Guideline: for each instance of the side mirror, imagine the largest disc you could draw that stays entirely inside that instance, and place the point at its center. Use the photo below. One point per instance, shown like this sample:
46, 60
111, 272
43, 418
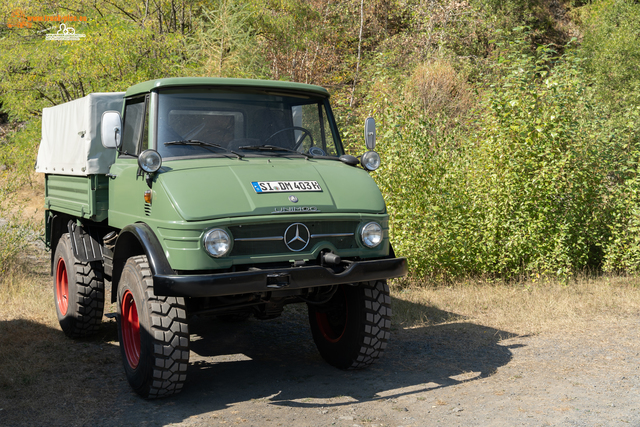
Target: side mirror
111, 129
370, 133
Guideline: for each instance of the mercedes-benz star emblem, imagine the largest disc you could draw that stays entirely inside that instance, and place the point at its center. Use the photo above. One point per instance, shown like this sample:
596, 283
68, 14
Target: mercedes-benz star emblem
293, 199
297, 237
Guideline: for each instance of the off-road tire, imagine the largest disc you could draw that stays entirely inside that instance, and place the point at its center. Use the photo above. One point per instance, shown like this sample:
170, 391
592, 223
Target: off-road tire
153, 333
351, 330
78, 291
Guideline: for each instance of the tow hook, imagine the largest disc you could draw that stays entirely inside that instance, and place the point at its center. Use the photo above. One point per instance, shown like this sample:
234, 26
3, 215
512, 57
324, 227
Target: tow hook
331, 258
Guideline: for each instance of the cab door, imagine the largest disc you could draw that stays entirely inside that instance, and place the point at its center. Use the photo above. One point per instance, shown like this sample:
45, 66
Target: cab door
127, 186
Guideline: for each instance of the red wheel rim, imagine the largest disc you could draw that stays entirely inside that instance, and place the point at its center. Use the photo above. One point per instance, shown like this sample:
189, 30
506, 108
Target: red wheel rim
62, 287
333, 324
130, 327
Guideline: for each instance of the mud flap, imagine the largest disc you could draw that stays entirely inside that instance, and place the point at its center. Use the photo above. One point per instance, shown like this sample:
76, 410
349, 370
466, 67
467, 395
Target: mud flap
84, 243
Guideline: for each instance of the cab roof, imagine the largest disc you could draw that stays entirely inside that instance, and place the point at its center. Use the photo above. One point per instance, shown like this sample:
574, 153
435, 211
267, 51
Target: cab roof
174, 82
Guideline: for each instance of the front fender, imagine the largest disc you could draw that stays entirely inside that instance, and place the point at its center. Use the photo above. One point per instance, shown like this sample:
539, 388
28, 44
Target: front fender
138, 239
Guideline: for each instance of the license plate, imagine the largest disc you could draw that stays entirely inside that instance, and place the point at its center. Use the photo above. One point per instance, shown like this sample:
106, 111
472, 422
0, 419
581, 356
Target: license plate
285, 186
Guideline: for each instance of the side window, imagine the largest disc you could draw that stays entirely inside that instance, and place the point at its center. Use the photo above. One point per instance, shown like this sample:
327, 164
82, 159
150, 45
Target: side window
144, 145
327, 135
134, 119
313, 118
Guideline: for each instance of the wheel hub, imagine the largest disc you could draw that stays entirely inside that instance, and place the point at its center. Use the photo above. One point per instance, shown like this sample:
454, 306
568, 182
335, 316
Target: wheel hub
130, 328
62, 287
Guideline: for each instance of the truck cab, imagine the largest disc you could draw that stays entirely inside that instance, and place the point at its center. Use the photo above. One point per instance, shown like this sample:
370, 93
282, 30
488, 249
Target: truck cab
222, 197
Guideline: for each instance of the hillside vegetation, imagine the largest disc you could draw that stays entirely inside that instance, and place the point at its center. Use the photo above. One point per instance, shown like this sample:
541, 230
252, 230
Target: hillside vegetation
509, 130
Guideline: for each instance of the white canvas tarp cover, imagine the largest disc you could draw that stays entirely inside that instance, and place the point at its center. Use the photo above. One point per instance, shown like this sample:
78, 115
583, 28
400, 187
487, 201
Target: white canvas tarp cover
71, 143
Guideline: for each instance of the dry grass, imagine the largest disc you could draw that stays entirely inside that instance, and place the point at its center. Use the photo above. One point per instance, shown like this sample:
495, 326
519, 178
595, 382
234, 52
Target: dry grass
27, 199
26, 321
528, 308
24, 294
438, 89
45, 378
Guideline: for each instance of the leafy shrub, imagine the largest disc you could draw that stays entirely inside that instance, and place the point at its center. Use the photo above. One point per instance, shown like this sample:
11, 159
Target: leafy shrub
622, 251
17, 156
422, 179
18, 152
528, 187
541, 166
611, 47
14, 237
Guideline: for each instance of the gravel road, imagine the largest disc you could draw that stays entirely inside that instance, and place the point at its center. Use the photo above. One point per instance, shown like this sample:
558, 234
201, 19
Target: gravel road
269, 374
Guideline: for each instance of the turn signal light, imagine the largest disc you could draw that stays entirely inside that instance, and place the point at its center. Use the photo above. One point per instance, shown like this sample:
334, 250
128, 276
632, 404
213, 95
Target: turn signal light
147, 196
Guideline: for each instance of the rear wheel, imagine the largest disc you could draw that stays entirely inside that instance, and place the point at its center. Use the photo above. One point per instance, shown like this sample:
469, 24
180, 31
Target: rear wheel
153, 333
78, 289
352, 329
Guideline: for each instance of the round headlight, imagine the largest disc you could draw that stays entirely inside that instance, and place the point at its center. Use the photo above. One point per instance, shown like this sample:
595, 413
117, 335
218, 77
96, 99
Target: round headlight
371, 234
149, 161
370, 160
217, 242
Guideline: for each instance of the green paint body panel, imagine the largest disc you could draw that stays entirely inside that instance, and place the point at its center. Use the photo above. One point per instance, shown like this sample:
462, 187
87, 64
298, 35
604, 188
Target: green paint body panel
200, 189
274, 85
82, 196
192, 196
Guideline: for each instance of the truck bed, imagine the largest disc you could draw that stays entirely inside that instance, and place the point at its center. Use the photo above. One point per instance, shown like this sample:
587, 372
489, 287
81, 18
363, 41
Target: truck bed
80, 196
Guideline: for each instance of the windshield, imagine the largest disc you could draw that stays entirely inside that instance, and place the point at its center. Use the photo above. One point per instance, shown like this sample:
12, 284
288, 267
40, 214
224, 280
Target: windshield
201, 122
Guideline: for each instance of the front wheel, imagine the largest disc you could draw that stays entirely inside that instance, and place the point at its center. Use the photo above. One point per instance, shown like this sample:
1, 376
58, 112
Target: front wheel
352, 329
153, 333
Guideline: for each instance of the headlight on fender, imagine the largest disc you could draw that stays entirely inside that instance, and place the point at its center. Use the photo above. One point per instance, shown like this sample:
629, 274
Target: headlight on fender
370, 161
217, 242
149, 161
371, 234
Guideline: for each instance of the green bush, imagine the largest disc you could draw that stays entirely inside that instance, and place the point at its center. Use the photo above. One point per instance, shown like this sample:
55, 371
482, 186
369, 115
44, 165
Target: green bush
530, 185
611, 47
422, 179
17, 157
541, 166
18, 152
622, 250
14, 236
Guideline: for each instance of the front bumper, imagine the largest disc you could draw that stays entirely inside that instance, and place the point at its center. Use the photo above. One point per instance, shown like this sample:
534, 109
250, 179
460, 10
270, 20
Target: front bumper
212, 285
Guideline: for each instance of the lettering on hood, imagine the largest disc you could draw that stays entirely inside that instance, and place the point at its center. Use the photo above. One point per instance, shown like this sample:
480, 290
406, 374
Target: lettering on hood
298, 209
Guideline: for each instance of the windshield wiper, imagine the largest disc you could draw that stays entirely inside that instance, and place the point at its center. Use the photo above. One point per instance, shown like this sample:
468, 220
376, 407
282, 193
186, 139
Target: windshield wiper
205, 144
273, 148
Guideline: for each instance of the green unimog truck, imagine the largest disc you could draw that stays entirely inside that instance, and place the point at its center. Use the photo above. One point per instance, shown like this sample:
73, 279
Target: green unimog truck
222, 197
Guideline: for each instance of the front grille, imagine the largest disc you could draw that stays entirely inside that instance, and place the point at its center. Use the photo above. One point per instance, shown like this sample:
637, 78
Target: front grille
255, 239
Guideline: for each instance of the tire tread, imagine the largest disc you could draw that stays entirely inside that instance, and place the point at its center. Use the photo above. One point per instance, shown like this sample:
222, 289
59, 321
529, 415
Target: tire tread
87, 303
377, 323
169, 329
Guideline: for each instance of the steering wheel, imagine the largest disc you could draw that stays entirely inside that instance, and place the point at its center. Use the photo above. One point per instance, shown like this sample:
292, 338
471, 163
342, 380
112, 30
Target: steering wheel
305, 133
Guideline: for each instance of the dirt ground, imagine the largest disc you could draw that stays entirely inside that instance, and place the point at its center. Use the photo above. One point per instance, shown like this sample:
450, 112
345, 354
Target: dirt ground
268, 373
260, 374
